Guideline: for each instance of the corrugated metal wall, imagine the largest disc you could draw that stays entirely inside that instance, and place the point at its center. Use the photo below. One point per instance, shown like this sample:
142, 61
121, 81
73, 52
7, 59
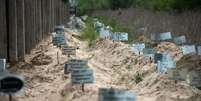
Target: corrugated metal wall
24, 23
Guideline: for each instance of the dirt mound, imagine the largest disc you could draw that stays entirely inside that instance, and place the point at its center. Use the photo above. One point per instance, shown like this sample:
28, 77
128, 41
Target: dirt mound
190, 62
160, 88
41, 59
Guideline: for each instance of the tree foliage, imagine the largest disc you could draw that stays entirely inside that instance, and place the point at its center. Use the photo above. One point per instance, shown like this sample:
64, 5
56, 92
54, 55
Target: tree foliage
150, 4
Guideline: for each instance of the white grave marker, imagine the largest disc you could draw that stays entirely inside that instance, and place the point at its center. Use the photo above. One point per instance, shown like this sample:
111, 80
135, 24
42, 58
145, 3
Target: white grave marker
187, 49
165, 36
123, 36
77, 64
149, 52
138, 48
105, 33
120, 36
106, 94
163, 66
67, 50
180, 40
82, 76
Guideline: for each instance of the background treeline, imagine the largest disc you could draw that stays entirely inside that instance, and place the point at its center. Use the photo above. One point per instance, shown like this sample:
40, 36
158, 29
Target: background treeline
169, 5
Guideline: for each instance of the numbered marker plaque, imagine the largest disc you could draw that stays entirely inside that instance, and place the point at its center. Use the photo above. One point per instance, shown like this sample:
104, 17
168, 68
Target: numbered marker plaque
149, 52
77, 64
67, 50
106, 94
105, 33
164, 66
59, 40
120, 36
165, 36
188, 49
162, 57
180, 40
138, 48
82, 76
123, 36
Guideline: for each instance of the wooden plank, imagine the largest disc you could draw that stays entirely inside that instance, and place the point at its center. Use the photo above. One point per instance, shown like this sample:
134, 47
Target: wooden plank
3, 30
12, 26
27, 4
21, 29
39, 20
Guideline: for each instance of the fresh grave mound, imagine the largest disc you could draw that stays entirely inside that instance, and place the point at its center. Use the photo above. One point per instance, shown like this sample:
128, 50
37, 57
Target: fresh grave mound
41, 59
190, 62
160, 88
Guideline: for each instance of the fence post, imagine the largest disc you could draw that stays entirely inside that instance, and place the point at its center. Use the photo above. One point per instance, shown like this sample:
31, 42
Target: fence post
20, 29
12, 26
3, 30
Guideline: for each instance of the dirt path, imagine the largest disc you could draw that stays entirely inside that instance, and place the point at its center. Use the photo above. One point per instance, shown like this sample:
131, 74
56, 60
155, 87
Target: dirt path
48, 82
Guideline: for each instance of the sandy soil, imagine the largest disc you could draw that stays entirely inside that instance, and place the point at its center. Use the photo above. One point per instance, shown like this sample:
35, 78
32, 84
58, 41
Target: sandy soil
114, 66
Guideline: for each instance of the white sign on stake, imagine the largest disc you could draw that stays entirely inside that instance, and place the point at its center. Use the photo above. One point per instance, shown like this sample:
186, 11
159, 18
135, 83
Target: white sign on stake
105, 33
59, 40
82, 76
180, 40
120, 36
163, 66
123, 36
149, 52
68, 50
165, 36
138, 48
77, 64
187, 49
110, 94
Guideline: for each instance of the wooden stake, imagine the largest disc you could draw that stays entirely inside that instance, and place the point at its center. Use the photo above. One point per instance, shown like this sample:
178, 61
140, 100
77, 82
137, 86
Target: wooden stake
57, 57
10, 97
83, 88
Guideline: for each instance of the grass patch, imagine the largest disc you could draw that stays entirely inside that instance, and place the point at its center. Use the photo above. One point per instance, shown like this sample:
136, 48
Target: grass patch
89, 34
137, 78
136, 61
